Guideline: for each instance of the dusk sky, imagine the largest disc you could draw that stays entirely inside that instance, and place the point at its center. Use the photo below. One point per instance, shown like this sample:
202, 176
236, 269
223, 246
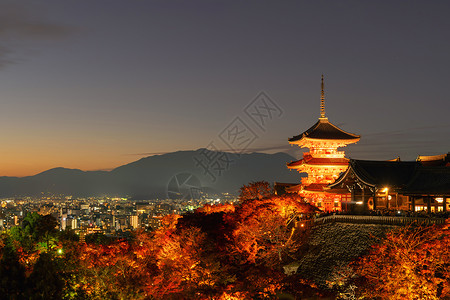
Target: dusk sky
97, 84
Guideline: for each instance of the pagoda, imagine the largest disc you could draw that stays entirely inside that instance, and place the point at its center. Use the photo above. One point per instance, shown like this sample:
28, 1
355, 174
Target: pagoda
323, 162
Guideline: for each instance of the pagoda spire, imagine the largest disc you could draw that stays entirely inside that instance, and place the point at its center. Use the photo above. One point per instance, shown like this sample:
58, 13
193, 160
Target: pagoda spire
322, 102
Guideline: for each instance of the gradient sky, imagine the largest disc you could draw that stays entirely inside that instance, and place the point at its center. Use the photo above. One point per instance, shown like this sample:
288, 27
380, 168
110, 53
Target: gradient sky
96, 84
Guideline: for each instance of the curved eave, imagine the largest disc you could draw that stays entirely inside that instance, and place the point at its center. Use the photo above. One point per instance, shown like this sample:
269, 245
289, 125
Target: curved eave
336, 191
305, 140
324, 129
316, 165
344, 175
294, 188
300, 188
312, 192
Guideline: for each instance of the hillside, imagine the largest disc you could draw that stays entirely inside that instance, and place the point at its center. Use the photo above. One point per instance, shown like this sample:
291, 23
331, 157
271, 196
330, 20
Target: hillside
331, 247
150, 177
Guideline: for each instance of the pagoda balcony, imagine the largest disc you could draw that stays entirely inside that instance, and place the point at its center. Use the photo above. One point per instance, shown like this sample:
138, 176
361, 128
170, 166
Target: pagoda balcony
324, 154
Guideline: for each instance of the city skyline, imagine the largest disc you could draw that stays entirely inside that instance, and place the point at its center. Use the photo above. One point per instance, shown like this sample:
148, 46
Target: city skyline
89, 86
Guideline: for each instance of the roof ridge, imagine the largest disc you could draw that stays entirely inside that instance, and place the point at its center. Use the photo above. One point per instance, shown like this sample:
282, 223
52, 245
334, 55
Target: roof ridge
349, 133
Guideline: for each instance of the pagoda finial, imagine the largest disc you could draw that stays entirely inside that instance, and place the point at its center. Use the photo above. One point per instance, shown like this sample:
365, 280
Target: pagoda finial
322, 102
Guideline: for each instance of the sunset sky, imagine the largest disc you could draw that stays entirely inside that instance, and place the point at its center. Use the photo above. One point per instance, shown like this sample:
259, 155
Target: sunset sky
97, 84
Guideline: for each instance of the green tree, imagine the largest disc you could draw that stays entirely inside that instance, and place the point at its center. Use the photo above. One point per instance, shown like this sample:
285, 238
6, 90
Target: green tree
26, 235
68, 235
35, 228
45, 229
29, 225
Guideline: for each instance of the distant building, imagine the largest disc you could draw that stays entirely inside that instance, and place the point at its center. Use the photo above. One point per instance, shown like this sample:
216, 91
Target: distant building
74, 223
63, 221
134, 221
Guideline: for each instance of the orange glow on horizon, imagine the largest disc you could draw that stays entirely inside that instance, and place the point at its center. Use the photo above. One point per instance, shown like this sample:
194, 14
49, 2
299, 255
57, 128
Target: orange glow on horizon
22, 166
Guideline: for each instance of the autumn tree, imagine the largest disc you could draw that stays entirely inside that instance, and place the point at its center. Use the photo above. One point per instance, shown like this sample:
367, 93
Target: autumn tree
411, 263
255, 190
110, 271
187, 257
215, 252
209, 209
265, 231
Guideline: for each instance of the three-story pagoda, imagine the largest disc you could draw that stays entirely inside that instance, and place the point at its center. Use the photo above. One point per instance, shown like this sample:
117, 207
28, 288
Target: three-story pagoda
323, 162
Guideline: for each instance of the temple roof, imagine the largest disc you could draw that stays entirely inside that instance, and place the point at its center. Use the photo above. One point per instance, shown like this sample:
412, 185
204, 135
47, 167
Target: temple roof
429, 181
380, 173
325, 130
435, 160
408, 178
309, 160
280, 188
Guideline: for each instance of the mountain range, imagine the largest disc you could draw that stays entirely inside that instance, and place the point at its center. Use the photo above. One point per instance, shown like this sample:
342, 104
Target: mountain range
159, 176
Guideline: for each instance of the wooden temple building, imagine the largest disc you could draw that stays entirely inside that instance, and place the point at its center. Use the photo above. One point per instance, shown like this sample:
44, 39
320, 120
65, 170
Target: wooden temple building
421, 185
323, 163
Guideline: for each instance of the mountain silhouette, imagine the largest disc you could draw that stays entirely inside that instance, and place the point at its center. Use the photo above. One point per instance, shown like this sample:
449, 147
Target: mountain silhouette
157, 176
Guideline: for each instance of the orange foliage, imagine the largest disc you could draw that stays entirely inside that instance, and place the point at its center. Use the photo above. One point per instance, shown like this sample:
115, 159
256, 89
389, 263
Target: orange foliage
217, 252
121, 268
188, 267
27, 259
411, 263
265, 231
170, 221
236, 254
210, 209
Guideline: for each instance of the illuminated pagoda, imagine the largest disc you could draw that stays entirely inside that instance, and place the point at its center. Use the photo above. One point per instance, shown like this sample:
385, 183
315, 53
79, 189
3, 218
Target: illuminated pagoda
323, 163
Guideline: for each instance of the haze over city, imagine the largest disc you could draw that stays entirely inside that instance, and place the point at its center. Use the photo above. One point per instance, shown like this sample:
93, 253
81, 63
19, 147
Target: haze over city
97, 84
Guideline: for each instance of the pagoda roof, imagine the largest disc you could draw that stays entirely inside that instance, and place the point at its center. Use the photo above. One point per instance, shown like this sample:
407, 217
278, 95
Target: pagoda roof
313, 187
317, 188
309, 160
325, 130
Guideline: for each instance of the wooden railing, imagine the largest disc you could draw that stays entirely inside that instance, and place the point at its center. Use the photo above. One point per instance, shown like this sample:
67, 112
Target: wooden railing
384, 220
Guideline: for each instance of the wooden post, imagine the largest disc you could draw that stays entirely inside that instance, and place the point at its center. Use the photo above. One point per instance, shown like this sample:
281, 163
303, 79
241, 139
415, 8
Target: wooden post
363, 196
396, 201
352, 207
374, 198
387, 199
413, 203
444, 204
353, 193
428, 204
